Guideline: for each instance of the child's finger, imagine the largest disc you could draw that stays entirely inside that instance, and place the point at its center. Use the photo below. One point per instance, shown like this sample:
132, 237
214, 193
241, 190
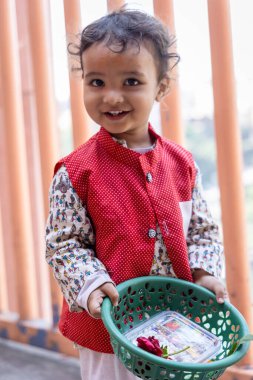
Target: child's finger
215, 285
109, 290
221, 294
95, 306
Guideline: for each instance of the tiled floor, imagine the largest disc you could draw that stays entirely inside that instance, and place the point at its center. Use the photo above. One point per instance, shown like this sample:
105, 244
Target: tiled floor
22, 362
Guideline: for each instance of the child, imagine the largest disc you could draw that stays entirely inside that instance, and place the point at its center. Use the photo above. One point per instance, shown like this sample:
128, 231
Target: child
127, 203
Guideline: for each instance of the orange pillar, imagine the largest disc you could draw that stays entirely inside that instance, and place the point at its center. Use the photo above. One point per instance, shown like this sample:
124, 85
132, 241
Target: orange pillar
45, 109
16, 159
113, 5
32, 144
170, 107
5, 201
229, 160
4, 304
3, 283
80, 119
44, 96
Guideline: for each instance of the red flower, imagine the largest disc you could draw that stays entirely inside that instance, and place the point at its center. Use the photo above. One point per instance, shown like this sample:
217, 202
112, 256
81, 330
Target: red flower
150, 344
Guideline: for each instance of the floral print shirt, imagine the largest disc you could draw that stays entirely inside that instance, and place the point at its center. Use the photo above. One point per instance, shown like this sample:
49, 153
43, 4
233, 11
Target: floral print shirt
70, 243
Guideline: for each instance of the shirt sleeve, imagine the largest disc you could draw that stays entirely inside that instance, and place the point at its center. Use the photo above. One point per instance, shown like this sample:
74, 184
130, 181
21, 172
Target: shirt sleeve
70, 243
203, 240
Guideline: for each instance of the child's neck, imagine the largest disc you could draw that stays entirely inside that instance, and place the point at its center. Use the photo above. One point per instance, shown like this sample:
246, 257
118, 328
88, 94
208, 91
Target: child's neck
135, 141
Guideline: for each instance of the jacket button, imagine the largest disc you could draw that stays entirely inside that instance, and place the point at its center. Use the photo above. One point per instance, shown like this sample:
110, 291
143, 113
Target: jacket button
151, 233
149, 177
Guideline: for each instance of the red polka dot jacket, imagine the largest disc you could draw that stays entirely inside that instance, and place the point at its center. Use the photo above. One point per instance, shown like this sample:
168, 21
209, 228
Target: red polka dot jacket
117, 212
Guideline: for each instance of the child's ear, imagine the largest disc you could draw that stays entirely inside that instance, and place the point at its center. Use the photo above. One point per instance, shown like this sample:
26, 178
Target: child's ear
163, 88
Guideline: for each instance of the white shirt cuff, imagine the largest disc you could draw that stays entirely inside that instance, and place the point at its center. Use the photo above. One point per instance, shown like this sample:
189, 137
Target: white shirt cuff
93, 282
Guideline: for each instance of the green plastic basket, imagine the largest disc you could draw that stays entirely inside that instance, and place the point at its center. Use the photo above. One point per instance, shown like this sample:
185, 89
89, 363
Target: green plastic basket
144, 297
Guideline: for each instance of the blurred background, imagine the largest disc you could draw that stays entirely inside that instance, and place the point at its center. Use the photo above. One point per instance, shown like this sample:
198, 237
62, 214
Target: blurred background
209, 110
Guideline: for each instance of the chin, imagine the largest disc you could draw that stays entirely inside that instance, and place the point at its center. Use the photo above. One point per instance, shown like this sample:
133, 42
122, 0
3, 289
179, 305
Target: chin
114, 130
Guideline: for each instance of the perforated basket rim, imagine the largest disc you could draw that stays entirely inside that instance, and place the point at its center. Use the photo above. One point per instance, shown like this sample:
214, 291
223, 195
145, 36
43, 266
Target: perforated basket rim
107, 309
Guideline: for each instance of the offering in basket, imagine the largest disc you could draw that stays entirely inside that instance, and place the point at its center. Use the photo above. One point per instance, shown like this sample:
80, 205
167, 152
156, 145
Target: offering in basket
179, 338
147, 299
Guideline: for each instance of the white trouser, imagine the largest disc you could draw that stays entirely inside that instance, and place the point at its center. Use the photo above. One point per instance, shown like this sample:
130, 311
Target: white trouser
99, 366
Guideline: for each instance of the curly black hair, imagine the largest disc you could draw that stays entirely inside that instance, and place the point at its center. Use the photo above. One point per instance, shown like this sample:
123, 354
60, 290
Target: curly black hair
123, 27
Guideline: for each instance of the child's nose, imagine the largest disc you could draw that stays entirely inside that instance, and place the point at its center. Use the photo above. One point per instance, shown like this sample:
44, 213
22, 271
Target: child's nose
113, 97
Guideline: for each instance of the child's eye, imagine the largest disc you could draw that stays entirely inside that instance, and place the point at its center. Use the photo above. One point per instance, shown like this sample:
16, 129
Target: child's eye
131, 82
97, 83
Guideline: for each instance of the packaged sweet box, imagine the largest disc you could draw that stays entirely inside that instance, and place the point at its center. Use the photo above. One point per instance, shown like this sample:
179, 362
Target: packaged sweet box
178, 334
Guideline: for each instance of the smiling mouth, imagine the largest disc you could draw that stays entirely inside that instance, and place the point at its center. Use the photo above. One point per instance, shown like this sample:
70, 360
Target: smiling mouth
116, 115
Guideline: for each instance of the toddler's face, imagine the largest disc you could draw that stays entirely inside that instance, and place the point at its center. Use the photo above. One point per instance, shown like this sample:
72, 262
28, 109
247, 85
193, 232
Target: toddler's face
120, 89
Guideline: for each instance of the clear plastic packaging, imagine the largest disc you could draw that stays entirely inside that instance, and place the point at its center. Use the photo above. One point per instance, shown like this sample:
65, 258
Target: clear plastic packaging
177, 333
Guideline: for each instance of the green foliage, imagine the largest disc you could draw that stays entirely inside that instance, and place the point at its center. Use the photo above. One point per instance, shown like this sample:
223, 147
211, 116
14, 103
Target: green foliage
200, 139
236, 345
201, 143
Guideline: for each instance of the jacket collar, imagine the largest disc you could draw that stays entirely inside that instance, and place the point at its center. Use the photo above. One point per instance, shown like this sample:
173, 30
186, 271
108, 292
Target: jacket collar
128, 156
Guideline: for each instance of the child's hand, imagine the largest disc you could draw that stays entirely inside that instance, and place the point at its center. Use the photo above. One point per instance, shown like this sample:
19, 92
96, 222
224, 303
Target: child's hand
202, 278
96, 298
